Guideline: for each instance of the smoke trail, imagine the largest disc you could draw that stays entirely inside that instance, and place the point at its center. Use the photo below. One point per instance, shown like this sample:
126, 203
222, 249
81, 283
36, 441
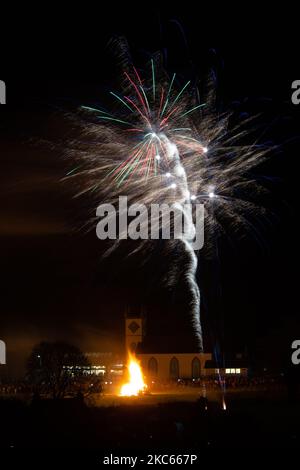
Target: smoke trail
183, 204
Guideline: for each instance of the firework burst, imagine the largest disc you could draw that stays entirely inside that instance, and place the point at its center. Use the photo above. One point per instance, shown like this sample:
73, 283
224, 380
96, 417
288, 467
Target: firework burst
160, 145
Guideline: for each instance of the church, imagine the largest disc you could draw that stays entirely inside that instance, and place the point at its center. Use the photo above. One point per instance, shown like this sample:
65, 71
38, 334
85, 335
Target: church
157, 359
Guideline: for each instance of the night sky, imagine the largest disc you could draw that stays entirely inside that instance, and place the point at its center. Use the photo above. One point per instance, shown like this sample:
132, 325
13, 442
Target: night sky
53, 285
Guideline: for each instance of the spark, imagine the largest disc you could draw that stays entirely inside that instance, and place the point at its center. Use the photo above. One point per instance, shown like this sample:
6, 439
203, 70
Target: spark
153, 79
224, 406
193, 109
122, 101
180, 93
169, 91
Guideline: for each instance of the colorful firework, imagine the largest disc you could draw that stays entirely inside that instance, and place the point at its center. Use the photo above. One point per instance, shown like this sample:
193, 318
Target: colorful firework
162, 146
149, 119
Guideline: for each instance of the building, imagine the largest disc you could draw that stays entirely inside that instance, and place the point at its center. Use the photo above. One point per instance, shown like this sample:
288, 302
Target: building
232, 367
157, 359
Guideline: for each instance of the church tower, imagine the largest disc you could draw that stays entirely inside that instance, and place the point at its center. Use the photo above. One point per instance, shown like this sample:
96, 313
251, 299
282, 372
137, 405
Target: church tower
134, 327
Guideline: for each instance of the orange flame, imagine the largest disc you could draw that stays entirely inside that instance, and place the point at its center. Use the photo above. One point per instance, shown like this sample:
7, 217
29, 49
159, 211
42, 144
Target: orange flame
136, 382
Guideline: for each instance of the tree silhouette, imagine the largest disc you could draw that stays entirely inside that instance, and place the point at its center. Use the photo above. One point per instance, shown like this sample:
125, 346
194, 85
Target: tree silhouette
54, 368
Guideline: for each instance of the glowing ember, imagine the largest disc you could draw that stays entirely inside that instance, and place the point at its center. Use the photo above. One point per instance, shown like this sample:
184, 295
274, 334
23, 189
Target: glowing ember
136, 382
224, 407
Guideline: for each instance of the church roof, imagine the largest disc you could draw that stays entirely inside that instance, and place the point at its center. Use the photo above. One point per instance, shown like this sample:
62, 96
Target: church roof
167, 345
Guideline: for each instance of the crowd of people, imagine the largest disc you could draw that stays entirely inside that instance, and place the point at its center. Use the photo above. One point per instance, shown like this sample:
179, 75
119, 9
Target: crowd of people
14, 388
232, 382
239, 382
243, 381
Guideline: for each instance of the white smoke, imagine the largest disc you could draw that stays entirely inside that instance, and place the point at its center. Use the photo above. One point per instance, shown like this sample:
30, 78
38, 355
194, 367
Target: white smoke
183, 203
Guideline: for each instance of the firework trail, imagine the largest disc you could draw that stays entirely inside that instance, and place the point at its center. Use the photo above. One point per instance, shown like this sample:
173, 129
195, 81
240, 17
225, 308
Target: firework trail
183, 204
159, 145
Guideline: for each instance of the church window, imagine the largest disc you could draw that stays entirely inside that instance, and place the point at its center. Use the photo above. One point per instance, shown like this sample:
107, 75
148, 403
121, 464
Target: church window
152, 366
174, 368
196, 368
